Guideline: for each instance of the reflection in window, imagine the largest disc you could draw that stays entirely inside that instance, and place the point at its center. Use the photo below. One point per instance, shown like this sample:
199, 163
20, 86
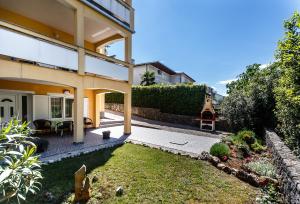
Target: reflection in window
11, 111
68, 107
56, 107
2, 112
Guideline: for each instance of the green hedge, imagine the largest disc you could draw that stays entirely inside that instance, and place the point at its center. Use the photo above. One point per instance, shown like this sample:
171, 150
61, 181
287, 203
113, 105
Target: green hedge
176, 99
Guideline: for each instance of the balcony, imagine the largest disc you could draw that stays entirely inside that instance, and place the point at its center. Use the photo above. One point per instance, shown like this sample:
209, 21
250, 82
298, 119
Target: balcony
21, 44
117, 10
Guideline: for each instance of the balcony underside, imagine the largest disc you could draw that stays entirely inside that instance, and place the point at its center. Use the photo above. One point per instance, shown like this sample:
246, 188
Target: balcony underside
58, 18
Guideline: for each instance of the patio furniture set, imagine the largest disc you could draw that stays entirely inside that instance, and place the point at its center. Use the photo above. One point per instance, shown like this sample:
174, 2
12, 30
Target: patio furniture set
46, 127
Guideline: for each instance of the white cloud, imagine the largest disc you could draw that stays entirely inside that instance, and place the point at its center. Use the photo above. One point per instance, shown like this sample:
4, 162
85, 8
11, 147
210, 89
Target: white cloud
263, 66
224, 82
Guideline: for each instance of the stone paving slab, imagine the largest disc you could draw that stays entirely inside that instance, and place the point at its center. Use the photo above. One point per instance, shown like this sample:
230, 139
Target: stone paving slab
157, 136
179, 141
172, 127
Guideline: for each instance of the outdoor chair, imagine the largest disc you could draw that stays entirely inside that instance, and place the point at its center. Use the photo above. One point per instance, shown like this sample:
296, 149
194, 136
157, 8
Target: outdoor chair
64, 127
88, 123
43, 126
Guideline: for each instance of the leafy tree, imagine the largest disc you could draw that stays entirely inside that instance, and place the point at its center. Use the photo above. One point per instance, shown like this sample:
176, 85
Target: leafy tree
243, 79
148, 78
251, 102
288, 90
20, 168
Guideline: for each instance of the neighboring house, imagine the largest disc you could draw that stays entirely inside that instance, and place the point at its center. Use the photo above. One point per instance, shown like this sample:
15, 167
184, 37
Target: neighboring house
163, 74
51, 66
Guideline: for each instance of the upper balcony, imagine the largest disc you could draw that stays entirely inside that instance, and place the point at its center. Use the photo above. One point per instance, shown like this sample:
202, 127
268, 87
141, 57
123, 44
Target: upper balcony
117, 10
59, 39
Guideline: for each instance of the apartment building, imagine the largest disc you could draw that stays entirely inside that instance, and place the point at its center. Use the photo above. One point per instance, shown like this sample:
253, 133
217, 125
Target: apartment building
52, 60
163, 74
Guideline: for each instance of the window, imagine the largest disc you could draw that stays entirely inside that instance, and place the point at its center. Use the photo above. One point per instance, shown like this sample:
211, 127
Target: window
56, 107
2, 112
159, 72
11, 111
24, 108
68, 107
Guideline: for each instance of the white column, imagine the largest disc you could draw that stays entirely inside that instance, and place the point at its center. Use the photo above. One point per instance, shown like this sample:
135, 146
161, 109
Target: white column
78, 136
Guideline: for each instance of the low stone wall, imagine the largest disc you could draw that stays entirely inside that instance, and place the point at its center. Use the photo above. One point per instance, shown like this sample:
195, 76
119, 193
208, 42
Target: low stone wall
155, 114
288, 167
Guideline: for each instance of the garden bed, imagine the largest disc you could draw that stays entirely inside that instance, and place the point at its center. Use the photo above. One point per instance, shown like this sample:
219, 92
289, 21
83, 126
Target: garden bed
244, 156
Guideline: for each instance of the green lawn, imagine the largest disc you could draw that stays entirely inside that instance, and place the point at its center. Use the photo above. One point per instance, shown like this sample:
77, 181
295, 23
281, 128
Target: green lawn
147, 176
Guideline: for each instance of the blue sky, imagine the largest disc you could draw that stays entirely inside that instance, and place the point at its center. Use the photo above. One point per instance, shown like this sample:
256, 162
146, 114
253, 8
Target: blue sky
211, 40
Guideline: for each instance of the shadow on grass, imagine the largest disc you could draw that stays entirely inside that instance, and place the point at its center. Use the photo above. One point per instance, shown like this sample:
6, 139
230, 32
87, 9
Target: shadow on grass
59, 176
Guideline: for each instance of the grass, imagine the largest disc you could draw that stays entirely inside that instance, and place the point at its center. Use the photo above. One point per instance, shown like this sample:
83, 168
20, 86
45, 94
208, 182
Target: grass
147, 176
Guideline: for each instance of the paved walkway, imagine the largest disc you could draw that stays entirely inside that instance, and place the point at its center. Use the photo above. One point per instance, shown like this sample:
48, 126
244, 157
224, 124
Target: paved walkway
171, 140
163, 135
117, 118
156, 135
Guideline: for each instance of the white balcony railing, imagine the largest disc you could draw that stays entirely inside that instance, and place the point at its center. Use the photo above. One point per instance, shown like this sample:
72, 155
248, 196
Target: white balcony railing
96, 65
25, 47
115, 8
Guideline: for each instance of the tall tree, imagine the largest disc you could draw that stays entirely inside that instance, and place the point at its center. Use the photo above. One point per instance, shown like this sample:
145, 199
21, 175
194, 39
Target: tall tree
251, 102
148, 78
288, 90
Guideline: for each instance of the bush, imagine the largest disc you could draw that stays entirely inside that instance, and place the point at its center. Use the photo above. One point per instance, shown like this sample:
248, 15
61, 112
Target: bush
247, 136
183, 99
258, 148
20, 170
262, 167
220, 150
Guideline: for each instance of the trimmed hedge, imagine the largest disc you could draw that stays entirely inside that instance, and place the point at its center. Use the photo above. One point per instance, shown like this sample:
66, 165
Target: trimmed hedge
180, 99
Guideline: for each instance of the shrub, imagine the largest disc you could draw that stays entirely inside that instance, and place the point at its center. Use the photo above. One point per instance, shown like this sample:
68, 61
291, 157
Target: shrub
181, 99
247, 136
20, 170
220, 150
262, 167
244, 149
257, 147
269, 194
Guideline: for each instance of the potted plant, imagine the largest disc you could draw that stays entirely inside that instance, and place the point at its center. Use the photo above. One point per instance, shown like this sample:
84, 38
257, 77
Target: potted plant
106, 134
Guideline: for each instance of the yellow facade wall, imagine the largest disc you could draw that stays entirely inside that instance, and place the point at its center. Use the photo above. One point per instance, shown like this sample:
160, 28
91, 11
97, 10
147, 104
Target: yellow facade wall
42, 89
39, 89
92, 107
40, 28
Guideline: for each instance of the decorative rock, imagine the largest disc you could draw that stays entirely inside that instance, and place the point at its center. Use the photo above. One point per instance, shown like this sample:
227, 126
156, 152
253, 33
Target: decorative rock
227, 170
214, 160
221, 166
119, 191
82, 185
234, 171
204, 155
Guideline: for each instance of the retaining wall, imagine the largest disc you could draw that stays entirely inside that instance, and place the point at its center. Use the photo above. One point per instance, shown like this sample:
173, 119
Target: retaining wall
288, 167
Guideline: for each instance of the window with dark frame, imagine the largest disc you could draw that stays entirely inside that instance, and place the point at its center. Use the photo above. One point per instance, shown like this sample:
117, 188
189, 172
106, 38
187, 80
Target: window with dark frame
57, 107
69, 107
